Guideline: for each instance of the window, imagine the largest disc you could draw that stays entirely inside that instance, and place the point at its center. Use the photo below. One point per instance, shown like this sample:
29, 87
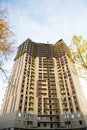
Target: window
49, 101
38, 118
77, 108
80, 122
50, 118
45, 125
50, 112
71, 110
38, 124
27, 122
68, 94
67, 123
51, 125
65, 116
11, 128
50, 106
58, 124
72, 116
20, 108
79, 115
25, 109
19, 114
69, 98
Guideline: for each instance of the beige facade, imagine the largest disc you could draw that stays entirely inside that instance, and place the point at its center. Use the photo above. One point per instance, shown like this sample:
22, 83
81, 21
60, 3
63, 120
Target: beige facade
43, 90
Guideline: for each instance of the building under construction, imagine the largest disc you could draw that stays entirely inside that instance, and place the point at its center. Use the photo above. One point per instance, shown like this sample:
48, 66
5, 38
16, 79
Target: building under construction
43, 93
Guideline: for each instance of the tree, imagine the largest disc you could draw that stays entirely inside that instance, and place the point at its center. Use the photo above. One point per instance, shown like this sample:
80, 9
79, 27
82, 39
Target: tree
78, 55
6, 40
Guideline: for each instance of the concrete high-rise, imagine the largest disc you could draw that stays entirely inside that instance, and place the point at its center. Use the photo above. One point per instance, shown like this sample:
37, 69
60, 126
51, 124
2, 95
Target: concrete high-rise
43, 92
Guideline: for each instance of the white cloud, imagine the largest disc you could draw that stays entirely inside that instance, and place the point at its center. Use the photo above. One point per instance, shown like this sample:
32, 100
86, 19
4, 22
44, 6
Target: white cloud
48, 20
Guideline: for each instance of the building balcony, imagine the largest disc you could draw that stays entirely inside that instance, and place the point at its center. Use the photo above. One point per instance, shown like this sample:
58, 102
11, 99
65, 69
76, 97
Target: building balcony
48, 120
32, 83
46, 102
31, 96
32, 80
53, 109
63, 93
31, 92
30, 108
31, 87
39, 102
39, 113
39, 108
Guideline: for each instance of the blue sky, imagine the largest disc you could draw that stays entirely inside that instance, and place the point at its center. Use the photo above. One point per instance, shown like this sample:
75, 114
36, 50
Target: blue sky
45, 20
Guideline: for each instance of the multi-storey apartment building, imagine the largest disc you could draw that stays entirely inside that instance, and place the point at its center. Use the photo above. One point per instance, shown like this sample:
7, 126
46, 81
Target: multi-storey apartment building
43, 92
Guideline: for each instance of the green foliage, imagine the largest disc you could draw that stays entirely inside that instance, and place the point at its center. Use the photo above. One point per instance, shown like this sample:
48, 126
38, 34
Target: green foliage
78, 52
6, 39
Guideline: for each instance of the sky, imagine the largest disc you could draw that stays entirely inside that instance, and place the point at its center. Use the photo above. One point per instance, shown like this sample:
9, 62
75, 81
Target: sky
44, 21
